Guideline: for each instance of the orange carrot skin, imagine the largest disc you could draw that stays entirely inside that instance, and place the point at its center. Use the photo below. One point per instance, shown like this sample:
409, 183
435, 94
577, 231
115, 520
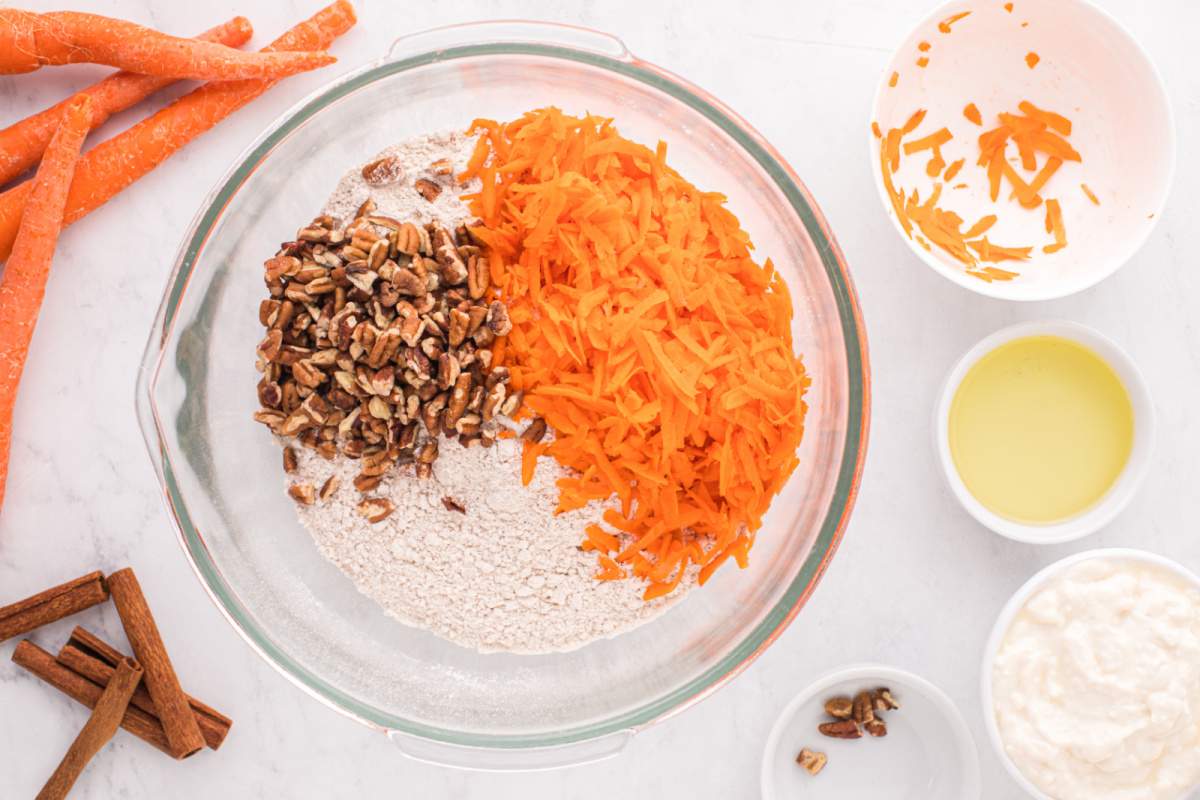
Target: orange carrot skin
30, 41
24, 281
110, 166
22, 143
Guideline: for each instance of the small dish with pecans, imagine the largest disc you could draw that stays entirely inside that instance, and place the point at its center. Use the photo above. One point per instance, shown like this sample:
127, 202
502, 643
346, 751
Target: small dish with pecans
853, 726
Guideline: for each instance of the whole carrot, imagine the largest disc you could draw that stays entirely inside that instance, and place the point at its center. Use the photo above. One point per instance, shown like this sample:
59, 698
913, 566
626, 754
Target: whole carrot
110, 166
24, 281
30, 41
22, 143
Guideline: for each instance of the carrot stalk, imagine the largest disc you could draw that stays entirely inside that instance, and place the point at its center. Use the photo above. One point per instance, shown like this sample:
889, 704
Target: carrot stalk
110, 166
30, 41
24, 281
22, 143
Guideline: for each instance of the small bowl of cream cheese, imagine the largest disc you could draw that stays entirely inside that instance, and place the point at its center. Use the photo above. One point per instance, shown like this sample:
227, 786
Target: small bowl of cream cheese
1091, 679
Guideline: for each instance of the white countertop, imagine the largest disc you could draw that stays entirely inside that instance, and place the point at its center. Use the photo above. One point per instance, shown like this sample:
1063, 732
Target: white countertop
916, 583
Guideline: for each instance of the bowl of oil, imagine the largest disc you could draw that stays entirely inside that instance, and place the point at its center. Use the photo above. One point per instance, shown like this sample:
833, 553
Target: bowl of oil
1044, 431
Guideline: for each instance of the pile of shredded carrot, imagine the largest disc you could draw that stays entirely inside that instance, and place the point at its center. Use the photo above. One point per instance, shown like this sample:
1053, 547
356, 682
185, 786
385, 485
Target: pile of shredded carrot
648, 338
929, 224
1033, 131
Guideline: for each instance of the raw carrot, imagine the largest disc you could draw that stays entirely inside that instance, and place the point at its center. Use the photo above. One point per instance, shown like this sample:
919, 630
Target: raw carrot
971, 112
30, 41
112, 165
22, 143
1090, 194
1032, 59
23, 283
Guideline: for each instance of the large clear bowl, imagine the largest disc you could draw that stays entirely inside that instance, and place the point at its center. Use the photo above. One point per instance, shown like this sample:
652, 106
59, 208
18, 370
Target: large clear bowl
220, 470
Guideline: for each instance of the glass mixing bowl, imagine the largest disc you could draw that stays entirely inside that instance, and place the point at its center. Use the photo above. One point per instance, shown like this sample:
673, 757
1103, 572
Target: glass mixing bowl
220, 470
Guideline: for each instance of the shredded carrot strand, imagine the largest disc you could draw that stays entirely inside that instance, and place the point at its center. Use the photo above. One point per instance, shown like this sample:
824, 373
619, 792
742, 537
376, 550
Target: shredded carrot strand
971, 112
944, 25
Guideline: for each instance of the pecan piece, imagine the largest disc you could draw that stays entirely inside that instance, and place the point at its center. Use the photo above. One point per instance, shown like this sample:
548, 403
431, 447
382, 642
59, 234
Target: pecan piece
289, 460
863, 709
376, 509
453, 505
884, 701
303, 493
382, 171
459, 397
839, 707
812, 761
427, 189
329, 488
842, 729
497, 319
536, 431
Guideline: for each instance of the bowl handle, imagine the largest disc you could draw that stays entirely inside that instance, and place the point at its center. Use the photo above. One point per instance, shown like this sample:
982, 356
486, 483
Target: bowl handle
509, 31
533, 759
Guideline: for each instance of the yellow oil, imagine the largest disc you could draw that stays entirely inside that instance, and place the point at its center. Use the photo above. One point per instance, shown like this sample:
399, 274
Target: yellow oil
1040, 429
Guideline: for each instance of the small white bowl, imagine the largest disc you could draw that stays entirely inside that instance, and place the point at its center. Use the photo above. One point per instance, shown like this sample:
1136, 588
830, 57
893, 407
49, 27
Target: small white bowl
928, 752
1091, 70
1121, 492
1013, 607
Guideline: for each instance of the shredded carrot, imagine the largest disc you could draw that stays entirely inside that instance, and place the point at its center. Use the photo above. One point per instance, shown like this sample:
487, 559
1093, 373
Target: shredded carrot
1033, 197
913, 122
944, 25
971, 112
1008, 7
710, 397
892, 81
923, 62
1090, 195
1056, 122
1054, 225
936, 225
1034, 131
875, 130
1032, 59
953, 169
935, 139
924, 47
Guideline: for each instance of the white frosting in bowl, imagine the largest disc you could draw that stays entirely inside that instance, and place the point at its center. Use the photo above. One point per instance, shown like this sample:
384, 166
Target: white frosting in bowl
1096, 684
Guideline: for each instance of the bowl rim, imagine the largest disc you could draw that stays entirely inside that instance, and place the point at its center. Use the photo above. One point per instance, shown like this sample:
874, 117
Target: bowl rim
1007, 291
1010, 610
881, 673
499, 38
1129, 481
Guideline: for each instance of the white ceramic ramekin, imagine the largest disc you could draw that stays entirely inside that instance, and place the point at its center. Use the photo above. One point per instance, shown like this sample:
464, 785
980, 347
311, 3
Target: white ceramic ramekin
1117, 497
928, 752
1091, 70
1013, 607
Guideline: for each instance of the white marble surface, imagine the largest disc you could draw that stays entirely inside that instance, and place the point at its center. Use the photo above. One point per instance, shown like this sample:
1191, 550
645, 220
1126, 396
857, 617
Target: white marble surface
916, 583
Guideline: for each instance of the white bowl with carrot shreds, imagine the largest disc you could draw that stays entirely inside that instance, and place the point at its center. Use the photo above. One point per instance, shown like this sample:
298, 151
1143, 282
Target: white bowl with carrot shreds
1023, 149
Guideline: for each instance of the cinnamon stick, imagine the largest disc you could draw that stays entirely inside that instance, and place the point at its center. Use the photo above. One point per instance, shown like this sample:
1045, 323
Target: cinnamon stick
100, 727
163, 684
37, 661
52, 605
93, 658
